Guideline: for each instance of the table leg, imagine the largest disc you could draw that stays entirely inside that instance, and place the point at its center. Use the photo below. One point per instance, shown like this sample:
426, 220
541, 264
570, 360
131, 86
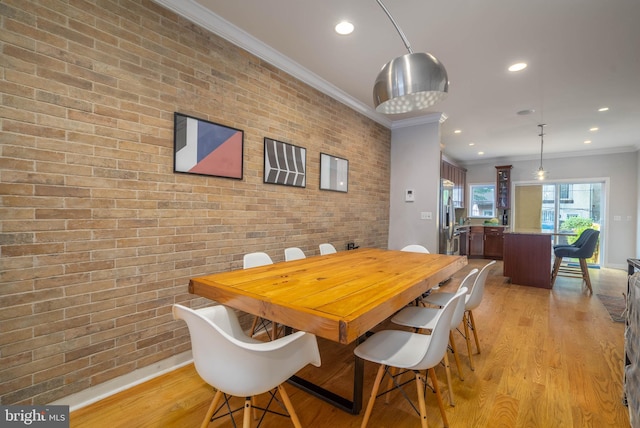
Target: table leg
352, 406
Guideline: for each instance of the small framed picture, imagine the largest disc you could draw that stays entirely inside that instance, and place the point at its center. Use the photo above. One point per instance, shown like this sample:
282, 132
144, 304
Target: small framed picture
207, 148
284, 163
334, 173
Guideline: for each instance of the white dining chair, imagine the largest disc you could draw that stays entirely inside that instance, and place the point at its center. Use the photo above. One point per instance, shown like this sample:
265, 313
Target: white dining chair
421, 318
409, 351
257, 259
238, 365
415, 248
327, 249
293, 253
472, 301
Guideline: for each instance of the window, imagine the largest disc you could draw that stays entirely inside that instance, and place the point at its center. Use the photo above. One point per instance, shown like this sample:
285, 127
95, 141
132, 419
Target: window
566, 193
482, 200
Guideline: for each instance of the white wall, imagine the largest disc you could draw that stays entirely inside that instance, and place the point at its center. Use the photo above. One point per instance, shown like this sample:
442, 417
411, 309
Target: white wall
637, 254
620, 170
415, 164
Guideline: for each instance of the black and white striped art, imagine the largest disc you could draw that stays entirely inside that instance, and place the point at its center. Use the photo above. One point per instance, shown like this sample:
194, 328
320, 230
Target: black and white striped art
284, 163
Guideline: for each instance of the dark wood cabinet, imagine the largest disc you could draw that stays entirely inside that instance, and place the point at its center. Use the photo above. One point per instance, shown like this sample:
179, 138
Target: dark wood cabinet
459, 178
476, 241
503, 187
464, 242
486, 242
527, 259
493, 242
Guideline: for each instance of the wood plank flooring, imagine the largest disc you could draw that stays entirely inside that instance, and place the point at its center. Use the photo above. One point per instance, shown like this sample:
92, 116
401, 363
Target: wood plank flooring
549, 358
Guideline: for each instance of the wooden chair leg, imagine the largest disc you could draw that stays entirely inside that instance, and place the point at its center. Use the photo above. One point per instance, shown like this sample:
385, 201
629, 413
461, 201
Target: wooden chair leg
287, 404
246, 421
392, 373
372, 398
212, 408
556, 268
253, 326
447, 370
474, 330
420, 383
454, 350
434, 380
585, 274
255, 410
467, 337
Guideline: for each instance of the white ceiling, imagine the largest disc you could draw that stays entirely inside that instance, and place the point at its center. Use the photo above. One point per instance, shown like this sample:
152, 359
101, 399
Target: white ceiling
582, 55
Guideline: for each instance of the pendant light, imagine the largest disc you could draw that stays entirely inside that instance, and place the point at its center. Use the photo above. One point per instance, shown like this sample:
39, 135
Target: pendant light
541, 173
413, 81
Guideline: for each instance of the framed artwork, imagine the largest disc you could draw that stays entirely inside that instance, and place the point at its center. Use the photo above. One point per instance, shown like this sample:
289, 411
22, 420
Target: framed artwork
334, 173
207, 148
284, 163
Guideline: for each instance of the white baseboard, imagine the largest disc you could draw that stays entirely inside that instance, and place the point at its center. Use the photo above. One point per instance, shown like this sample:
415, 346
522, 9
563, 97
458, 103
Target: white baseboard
113, 386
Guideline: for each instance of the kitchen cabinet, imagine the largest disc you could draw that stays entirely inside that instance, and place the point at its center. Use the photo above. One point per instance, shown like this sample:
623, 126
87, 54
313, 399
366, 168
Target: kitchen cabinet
476, 242
464, 241
459, 178
486, 242
503, 187
493, 242
527, 259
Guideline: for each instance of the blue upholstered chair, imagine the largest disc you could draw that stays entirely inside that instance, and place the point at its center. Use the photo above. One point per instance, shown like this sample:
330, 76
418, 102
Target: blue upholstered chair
581, 252
580, 241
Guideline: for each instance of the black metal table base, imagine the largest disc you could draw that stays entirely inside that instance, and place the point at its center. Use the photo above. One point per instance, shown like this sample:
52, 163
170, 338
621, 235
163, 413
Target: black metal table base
352, 406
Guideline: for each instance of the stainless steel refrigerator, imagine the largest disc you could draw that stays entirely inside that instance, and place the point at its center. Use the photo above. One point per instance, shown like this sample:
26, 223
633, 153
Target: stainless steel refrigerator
449, 240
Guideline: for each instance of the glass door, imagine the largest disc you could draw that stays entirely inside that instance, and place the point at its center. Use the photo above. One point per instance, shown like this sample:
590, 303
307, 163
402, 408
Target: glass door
572, 208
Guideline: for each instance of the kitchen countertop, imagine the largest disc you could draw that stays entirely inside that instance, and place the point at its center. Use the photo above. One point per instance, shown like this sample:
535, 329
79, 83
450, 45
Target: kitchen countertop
466, 226
537, 232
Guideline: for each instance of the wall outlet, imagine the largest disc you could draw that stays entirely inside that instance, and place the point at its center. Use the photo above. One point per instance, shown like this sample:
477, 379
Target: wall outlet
426, 215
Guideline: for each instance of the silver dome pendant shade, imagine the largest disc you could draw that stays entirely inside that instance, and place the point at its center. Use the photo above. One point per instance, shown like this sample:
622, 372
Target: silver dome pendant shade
410, 82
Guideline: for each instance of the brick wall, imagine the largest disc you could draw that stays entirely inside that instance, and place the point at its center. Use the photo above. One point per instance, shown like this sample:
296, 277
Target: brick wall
99, 236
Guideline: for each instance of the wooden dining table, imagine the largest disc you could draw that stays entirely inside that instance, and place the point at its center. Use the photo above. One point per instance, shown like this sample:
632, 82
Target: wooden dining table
339, 297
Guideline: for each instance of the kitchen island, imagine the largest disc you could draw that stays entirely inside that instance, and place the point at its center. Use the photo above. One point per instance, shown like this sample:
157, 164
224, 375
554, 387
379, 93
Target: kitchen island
527, 257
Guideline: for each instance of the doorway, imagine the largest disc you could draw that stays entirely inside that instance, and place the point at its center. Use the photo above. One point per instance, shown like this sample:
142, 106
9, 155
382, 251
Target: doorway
563, 207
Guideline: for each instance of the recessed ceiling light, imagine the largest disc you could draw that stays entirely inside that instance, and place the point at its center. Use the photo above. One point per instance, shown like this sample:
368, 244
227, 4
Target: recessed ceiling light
480, 153
594, 129
457, 131
472, 144
603, 109
526, 112
587, 142
343, 28
518, 66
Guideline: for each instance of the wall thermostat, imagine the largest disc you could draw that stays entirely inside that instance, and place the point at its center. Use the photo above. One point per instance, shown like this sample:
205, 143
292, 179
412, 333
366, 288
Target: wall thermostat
409, 195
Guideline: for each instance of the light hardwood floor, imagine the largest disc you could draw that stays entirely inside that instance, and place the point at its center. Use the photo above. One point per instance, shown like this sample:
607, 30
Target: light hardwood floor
548, 359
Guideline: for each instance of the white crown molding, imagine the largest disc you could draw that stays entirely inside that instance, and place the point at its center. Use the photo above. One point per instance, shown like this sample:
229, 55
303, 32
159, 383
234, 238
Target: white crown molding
598, 152
420, 120
203, 17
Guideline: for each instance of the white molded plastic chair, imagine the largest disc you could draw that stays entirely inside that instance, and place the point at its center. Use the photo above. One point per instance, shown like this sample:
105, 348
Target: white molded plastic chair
254, 260
293, 253
327, 249
425, 319
406, 350
236, 364
472, 301
415, 248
